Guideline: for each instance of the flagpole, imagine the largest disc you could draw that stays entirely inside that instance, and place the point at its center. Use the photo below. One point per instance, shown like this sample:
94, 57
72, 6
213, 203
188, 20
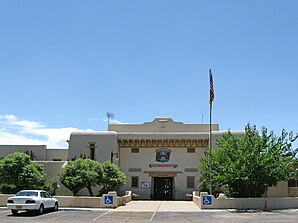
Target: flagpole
210, 126
210, 147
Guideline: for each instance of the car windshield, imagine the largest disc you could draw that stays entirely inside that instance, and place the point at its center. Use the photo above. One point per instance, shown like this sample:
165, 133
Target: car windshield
27, 193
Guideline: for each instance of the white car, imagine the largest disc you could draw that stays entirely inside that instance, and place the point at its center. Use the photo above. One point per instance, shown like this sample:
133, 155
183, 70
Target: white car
32, 200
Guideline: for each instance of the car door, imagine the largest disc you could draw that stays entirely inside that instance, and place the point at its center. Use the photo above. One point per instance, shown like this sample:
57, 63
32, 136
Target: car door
45, 199
51, 201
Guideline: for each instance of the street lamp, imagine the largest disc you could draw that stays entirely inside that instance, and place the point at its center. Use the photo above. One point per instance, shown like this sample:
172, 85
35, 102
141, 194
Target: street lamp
114, 154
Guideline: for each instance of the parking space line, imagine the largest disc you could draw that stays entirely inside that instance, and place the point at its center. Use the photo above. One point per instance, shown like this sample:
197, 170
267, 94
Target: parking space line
94, 219
153, 215
129, 211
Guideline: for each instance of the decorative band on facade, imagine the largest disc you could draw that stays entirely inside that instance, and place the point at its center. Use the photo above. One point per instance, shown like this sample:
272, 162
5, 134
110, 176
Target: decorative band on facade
149, 143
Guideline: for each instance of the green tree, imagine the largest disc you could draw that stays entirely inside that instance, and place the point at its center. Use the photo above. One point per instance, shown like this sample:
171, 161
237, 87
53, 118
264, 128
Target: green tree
81, 173
17, 172
112, 179
246, 166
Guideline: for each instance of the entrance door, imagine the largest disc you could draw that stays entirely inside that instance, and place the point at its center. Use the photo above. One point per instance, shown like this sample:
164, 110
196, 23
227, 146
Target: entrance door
163, 188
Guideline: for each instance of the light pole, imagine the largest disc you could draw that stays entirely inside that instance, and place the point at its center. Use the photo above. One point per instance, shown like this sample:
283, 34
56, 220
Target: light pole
114, 154
109, 116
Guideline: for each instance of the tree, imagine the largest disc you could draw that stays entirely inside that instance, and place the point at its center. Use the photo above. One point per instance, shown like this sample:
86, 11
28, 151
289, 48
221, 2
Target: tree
112, 179
17, 172
31, 154
246, 166
81, 173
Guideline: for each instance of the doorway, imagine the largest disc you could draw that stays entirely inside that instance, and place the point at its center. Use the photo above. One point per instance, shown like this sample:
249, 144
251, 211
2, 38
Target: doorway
163, 188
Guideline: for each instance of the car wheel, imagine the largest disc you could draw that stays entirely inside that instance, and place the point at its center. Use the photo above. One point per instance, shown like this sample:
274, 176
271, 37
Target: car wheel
56, 206
41, 209
14, 212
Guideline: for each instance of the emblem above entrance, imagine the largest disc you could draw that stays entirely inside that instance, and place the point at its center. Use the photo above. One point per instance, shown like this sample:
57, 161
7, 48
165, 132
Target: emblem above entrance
163, 155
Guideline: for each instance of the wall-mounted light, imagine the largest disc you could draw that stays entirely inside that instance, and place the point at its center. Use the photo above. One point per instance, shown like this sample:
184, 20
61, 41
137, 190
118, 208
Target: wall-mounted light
114, 154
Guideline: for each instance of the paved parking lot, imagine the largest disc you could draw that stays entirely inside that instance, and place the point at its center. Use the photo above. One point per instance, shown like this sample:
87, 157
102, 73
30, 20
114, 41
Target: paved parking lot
152, 211
98, 216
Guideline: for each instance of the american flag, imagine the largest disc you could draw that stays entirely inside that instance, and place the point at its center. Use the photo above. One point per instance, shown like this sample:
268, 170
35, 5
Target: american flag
211, 88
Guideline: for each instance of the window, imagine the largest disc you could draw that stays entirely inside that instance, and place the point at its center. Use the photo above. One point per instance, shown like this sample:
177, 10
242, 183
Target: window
57, 159
135, 182
135, 150
191, 150
47, 195
293, 183
92, 150
43, 194
190, 182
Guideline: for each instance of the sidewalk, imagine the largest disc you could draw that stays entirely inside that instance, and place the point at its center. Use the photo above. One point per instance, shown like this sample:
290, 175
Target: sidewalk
160, 206
146, 206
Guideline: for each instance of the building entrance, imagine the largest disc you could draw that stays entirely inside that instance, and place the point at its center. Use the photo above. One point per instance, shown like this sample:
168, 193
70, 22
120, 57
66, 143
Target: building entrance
163, 188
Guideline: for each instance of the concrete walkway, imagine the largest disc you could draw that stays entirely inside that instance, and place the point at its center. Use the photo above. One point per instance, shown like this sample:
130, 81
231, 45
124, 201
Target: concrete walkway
160, 206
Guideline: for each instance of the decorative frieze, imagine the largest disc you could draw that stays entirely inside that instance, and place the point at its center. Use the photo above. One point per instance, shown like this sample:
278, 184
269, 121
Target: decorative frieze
149, 143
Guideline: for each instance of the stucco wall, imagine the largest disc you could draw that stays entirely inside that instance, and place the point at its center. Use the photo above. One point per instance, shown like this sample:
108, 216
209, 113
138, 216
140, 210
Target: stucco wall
162, 125
246, 203
104, 141
85, 202
38, 150
281, 190
56, 154
52, 168
146, 156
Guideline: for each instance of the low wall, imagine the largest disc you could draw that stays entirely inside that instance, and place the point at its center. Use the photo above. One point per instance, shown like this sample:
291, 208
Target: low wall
70, 201
204, 201
3, 199
293, 191
84, 202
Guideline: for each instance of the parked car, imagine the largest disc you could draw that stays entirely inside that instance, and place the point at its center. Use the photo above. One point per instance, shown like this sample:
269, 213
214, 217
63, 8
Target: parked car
32, 200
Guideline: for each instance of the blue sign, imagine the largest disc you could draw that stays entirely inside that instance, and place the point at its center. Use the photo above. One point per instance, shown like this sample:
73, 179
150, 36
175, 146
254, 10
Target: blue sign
207, 200
108, 199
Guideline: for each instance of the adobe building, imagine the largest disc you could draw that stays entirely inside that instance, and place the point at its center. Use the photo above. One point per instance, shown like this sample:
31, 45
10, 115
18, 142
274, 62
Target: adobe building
160, 158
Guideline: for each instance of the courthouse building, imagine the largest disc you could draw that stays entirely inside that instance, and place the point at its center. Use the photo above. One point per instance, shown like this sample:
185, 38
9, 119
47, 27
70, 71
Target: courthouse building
160, 158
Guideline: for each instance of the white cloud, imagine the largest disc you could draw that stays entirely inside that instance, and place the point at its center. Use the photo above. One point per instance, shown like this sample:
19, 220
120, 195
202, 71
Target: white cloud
8, 138
14, 131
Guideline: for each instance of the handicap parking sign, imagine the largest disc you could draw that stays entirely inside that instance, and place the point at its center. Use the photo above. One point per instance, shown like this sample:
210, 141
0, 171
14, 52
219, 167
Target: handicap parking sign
207, 200
108, 199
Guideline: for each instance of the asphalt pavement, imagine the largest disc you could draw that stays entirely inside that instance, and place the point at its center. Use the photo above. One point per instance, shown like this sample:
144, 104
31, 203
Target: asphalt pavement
152, 211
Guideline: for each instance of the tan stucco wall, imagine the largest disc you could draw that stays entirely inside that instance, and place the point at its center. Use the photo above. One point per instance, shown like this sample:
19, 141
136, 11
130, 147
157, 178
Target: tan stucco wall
281, 190
162, 125
52, 168
56, 154
146, 156
87, 202
293, 191
38, 150
246, 203
105, 142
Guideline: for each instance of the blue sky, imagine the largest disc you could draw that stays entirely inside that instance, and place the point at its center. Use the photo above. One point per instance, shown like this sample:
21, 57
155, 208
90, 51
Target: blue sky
64, 64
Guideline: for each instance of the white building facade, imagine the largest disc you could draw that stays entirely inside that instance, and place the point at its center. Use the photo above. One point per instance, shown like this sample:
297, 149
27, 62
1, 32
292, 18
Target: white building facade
160, 158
